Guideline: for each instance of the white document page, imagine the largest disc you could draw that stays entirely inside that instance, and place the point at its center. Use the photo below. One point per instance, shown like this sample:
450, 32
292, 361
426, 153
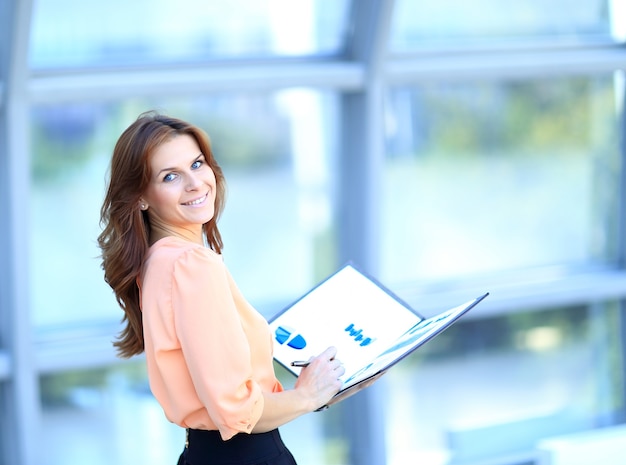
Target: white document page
414, 337
348, 311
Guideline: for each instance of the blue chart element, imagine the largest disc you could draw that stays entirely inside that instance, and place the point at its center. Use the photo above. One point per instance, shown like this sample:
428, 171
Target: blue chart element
358, 335
286, 335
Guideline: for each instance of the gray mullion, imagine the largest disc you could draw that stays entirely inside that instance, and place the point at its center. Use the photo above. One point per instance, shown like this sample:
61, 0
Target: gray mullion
360, 164
112, 85
347, 75
362, 138
620, 89
509, 64
621, 233
5, 366
516, 292
621, 414
6, 394
21, 391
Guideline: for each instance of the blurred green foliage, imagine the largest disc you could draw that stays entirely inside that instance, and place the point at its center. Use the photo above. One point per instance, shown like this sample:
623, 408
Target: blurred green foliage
524, 117
65, 138
57, 389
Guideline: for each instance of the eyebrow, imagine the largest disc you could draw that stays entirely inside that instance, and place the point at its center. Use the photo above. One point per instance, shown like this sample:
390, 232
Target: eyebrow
174, 168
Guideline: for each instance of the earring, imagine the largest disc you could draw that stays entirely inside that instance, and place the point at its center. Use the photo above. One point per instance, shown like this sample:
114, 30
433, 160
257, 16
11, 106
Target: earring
143, 206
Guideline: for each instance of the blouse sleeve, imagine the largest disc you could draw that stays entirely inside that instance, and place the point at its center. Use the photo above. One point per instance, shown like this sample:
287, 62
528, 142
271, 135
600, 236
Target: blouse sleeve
213, 342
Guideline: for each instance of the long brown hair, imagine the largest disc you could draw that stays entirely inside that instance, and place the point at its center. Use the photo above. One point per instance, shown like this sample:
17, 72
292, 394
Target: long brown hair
126, 229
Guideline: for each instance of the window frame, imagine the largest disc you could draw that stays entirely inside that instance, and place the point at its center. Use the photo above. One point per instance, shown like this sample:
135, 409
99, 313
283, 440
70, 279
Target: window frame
361, 76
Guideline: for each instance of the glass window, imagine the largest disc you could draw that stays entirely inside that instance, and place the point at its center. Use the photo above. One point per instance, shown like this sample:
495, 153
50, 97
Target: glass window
497, 386
419, 23
276, 227
497, 175
96, 34
108, 415
103, 416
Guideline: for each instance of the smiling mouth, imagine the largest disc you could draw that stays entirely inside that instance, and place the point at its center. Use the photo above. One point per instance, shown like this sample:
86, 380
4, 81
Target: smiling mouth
197, 201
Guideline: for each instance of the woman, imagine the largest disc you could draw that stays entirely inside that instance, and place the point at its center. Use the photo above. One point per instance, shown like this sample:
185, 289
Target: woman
208, 352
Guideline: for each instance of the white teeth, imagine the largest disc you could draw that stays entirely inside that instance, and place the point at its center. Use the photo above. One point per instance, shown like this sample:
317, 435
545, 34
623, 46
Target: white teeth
196, 202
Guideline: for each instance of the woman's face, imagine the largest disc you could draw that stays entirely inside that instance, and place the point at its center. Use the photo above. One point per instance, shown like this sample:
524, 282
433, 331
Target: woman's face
180, 196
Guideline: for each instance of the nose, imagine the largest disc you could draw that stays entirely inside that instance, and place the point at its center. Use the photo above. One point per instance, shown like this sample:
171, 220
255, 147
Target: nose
193, 181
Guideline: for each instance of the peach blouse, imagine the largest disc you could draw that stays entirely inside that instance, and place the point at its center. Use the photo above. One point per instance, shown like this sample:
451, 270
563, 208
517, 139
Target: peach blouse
208, 351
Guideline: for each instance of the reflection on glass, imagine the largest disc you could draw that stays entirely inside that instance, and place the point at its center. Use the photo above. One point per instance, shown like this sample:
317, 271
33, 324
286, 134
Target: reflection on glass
417, 23
89, 33
103, 416
107, 415
274, 150
488, 388
489, 176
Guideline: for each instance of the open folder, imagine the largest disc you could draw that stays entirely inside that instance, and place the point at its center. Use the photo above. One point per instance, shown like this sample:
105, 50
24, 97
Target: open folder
372, 328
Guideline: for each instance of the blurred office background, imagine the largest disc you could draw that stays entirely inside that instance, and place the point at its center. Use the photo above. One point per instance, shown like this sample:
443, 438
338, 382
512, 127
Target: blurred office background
448, 148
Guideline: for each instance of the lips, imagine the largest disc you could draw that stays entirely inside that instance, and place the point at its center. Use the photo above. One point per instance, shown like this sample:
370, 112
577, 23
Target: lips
196, 202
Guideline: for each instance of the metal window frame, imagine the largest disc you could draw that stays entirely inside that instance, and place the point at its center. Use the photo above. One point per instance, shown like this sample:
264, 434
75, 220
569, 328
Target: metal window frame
622, 236
361, 76
20, 398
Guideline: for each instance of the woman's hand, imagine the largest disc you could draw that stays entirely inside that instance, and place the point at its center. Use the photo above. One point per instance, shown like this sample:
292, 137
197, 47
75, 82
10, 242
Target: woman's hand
319, 381
314, 388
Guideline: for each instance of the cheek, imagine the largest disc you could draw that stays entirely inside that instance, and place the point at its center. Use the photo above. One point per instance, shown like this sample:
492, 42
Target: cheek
158, 198
213, 182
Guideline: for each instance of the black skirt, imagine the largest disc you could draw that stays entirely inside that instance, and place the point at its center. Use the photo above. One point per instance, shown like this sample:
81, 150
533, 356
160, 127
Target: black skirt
208, 448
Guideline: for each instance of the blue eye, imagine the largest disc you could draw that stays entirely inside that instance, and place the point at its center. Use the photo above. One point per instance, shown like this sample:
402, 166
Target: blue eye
169, 177
196, 164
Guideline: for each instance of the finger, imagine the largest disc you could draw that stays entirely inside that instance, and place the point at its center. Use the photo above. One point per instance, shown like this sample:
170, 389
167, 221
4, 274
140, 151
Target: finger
330, 353
335, 363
